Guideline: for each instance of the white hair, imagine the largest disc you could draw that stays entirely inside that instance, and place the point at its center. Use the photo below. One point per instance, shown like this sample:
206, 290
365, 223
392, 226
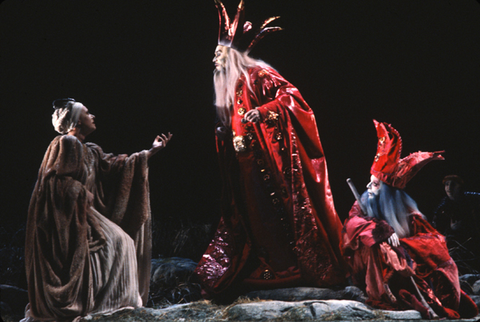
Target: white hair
237, 64
65, 119
392, 205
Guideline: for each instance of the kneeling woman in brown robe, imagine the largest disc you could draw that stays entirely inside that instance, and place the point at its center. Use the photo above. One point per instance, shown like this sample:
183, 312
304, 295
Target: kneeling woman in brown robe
88, 230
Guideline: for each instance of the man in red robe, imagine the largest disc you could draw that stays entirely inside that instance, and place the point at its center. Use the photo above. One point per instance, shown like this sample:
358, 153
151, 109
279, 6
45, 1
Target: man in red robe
395, 255
279, 226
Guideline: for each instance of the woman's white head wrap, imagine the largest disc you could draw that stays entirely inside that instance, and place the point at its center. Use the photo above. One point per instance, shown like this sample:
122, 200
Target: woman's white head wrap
64, 119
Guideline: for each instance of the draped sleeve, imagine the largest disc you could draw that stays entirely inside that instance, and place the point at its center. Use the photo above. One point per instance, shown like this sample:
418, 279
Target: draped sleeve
121, 188
122, 195
366, 230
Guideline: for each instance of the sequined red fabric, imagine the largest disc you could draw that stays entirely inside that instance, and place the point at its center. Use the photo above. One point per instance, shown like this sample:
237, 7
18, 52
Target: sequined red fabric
279, 226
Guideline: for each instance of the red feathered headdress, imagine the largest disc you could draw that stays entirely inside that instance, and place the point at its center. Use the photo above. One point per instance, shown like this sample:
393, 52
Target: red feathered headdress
387, 165
239, 34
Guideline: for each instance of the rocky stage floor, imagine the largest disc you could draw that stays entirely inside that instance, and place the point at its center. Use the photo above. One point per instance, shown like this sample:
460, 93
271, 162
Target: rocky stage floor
265, 310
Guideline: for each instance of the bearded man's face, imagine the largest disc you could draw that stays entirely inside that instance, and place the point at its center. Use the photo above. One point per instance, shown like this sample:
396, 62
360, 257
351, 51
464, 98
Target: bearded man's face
374, 187
220, 57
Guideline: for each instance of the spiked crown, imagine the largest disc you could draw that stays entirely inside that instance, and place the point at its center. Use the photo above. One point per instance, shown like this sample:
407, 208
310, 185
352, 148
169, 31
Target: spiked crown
240, 34
387, 165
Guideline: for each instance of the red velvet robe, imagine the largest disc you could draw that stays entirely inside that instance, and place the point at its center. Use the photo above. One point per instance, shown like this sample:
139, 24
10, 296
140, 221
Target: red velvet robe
279, 226
424, 256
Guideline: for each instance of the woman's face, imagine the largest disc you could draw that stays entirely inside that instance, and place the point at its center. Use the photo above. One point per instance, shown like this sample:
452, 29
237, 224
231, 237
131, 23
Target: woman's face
86, 121
374, 187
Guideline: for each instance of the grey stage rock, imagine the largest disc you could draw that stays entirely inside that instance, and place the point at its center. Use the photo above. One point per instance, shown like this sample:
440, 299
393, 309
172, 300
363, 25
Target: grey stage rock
342, 309
275, 311
171, 281
467, 281
401, 315
171, 271
309, 293
329, 310
469, 278
267, 310
197, 311
476, 288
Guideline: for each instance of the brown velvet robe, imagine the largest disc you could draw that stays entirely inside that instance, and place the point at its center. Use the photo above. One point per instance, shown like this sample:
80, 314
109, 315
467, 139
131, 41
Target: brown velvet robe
76, 184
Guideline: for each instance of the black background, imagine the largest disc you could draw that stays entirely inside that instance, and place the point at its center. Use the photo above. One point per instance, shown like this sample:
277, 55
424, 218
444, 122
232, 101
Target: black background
145, 67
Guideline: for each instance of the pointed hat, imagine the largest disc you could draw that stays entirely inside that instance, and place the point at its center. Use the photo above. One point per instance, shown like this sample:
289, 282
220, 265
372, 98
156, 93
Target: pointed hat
387, 165
240, 34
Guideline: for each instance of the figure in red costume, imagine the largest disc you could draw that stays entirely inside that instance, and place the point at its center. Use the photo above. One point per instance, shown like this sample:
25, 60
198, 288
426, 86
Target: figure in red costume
394, 253
279, 226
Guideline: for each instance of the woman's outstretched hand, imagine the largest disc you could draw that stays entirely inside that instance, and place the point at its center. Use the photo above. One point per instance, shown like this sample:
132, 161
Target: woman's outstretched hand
159, 143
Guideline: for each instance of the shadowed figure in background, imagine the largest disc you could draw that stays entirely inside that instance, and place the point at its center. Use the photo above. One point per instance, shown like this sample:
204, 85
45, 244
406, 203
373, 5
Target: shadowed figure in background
279, 226
458, 218
88, 245
395, 255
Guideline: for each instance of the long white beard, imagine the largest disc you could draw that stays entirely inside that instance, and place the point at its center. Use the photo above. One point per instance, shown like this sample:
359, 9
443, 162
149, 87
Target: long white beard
392, 205
225, 82
224, 97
